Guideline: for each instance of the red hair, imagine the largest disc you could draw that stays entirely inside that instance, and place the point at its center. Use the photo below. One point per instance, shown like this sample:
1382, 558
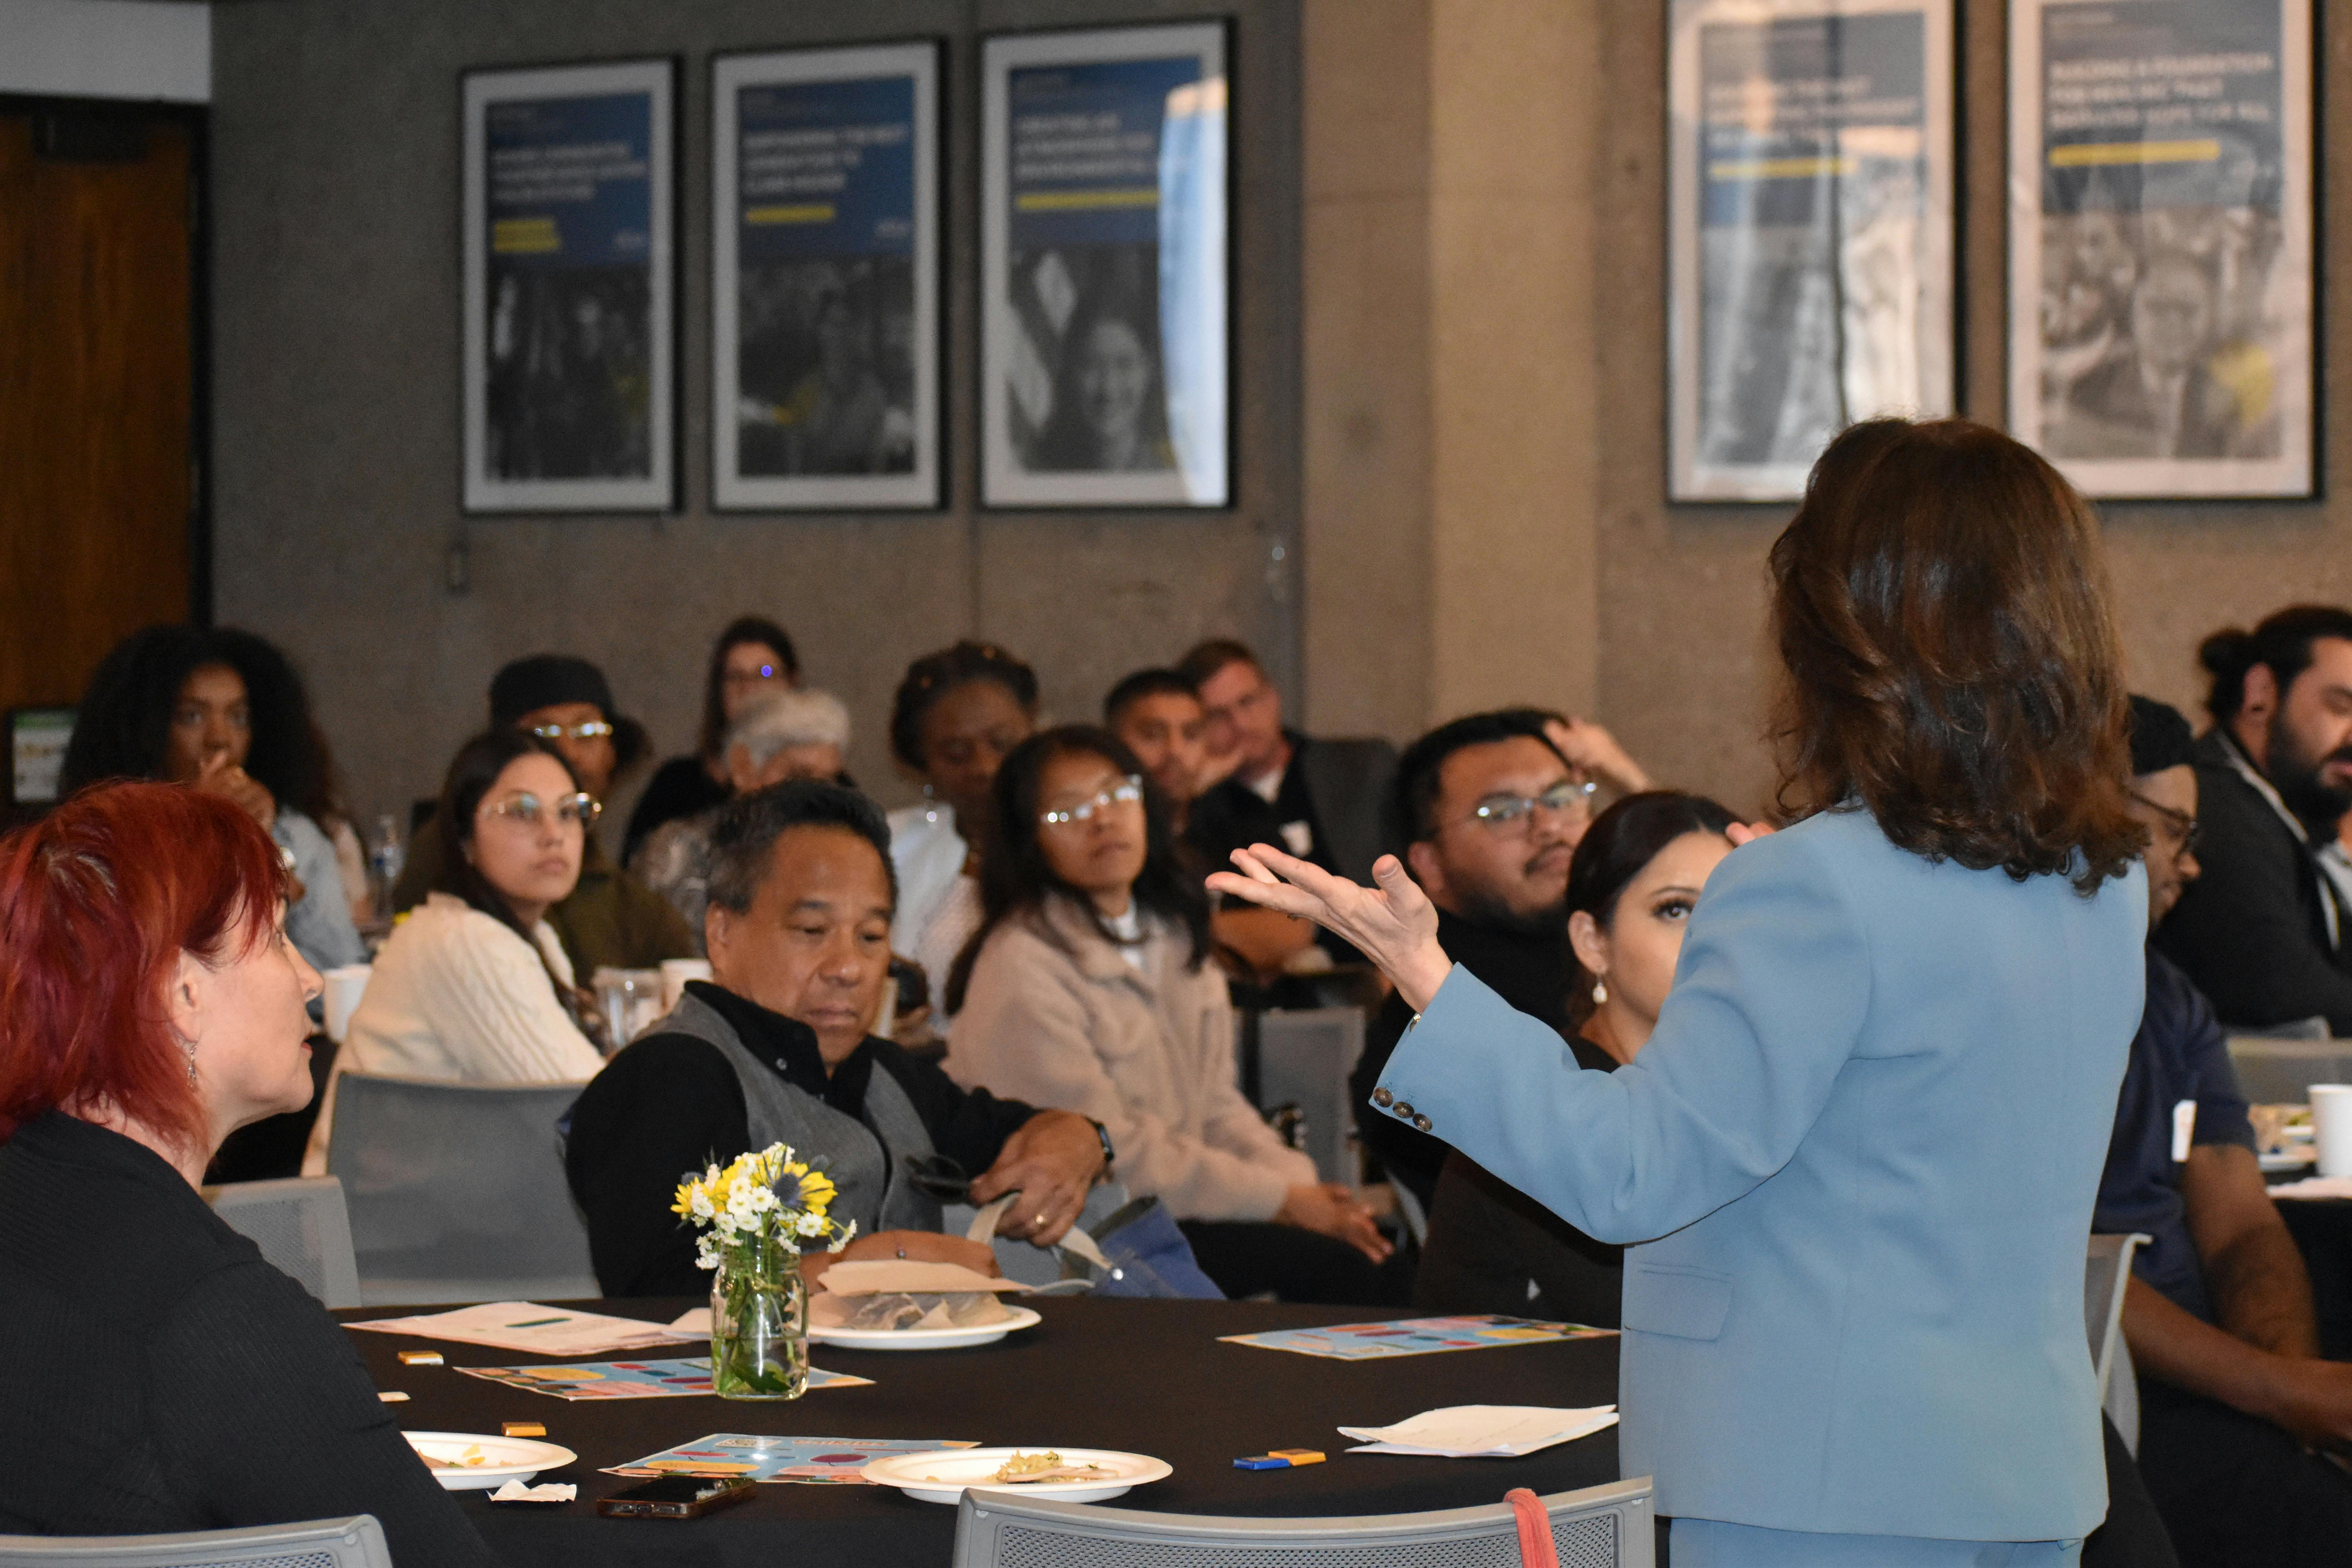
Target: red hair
97, 901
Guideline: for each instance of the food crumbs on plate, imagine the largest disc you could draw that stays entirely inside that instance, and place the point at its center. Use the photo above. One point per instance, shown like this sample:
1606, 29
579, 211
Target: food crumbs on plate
525, 1429
420, 1358
393, 1396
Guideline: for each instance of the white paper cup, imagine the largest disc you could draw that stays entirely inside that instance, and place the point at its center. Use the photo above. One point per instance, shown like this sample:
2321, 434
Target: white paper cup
2331, 1127
344, 986
675, 972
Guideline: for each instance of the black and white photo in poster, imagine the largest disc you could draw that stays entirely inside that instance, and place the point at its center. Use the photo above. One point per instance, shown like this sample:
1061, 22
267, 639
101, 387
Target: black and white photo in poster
825, 277
1811, 262
570, 389
1104, 359
2160, 244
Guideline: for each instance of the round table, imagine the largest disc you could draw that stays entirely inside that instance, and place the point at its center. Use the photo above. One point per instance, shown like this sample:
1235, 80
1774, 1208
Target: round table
1148, 1377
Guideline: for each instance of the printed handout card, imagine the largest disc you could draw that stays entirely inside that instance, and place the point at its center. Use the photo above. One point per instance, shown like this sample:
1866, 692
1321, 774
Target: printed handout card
629, 1379
1416, 1336
820, 1461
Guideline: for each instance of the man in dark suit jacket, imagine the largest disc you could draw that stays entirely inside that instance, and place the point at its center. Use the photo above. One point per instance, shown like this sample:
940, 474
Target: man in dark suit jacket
2262, 933
1324, 801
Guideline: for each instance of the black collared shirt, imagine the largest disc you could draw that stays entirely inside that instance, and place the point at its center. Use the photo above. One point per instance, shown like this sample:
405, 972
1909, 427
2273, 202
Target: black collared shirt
670, 1104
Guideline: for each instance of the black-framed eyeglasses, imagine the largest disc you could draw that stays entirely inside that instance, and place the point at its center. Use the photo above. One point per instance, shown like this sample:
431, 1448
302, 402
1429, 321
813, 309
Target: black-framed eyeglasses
938, 1176
1512, 810
2186, 827
588, 732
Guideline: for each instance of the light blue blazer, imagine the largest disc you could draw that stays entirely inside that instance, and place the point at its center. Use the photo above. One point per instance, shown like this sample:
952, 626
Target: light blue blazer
1858, 1153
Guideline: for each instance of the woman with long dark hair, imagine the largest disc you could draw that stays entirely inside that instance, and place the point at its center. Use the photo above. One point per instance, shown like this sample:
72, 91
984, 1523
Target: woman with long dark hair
752, 658
1858, 1155
1632, 885
473, 986
222, 710
1085, 988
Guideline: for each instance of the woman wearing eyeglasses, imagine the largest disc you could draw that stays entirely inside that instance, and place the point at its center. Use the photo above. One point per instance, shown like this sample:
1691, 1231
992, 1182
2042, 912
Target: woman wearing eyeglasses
1085, 989
473, 986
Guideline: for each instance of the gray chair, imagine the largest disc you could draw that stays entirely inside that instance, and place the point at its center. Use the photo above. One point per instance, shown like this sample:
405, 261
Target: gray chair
457, 1192
1304, 1059
354, 1542
1041, 1265
2273, 1071
2107, 1275
302, 1228
1600, 1527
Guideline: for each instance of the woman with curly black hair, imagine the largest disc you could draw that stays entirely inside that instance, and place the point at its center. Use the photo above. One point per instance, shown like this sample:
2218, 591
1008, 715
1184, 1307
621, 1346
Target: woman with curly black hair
223, 711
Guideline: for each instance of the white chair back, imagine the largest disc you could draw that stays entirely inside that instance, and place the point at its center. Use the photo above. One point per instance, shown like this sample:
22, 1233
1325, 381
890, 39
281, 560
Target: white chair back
1599, 1527
354, 1542
457, 1191
302, 1229
1304, 1059
2107, 1275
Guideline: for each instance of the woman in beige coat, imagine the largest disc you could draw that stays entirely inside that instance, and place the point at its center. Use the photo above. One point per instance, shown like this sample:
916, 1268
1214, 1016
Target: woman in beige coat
1086, 988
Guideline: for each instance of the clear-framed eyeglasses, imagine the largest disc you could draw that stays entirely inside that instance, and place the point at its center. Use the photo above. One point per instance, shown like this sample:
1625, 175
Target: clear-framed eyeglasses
1127, 791
528, 809
588, 732
1514, 811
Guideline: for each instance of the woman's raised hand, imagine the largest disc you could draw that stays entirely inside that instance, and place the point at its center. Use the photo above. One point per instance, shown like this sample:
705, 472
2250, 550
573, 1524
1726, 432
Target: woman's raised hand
1392, 923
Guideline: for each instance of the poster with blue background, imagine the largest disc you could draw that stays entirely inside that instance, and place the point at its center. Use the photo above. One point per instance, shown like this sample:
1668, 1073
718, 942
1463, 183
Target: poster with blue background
825, 278
568, 334
1105, 268
1813, 254
2160, 332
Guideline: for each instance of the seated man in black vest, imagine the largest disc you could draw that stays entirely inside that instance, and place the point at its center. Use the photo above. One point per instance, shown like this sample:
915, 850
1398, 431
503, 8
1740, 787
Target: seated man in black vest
775, 1049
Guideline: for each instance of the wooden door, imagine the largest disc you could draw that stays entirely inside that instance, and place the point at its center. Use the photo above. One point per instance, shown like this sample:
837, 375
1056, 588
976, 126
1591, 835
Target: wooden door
96, 486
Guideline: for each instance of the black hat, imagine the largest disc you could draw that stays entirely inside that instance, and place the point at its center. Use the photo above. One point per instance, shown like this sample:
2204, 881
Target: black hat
546, 680
2159, 737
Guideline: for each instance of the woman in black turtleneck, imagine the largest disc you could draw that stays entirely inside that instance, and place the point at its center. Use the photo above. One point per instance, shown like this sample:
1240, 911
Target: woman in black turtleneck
1632, 885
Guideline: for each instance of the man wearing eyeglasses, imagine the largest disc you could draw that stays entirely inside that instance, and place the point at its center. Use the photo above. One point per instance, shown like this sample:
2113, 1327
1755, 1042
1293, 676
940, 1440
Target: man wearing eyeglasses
1493, 809
2219, 1314
610, 920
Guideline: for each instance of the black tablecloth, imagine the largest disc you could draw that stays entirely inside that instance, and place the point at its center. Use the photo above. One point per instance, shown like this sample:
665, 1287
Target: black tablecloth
1146, 1377
2322, 1228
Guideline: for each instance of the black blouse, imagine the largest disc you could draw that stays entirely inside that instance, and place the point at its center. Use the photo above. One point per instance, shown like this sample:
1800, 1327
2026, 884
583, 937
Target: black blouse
161, 1377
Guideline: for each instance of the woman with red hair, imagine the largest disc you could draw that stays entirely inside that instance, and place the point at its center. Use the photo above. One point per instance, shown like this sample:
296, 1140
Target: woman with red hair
161, 1375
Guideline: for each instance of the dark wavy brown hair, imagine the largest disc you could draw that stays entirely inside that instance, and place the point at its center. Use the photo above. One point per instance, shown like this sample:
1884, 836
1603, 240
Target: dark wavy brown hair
1941, 613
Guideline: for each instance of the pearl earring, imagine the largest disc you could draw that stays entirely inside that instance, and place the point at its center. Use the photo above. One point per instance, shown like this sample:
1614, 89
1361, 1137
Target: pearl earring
1600, 992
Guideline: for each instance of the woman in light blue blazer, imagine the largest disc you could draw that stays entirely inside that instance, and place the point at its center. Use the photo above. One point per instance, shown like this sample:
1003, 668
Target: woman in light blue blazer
1858, 1153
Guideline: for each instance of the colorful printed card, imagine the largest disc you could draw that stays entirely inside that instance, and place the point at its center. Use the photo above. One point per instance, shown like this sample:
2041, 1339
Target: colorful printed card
820, 1461
629, 1379
1416, 1336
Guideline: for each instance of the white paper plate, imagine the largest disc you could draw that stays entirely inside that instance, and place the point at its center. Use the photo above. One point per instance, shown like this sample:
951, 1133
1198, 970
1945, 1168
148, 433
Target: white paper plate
942, 1474
926, 1338
511, 1458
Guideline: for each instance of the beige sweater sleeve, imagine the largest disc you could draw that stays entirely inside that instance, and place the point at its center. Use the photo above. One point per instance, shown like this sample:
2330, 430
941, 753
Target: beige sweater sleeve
1023, 1034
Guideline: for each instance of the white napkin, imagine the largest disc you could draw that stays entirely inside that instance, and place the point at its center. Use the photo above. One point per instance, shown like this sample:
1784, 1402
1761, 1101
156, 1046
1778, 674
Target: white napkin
552, 1492
1482, 1431
527, 1326
2315, 1187
694, 1323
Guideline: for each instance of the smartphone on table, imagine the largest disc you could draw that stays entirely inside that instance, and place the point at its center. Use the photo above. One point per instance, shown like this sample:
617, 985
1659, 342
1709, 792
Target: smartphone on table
675, 1497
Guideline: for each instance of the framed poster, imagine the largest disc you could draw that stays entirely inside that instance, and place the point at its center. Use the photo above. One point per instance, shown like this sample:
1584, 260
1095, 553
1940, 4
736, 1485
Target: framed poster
1104, 268
825, 277
571, 293
2160, 281
1810, 249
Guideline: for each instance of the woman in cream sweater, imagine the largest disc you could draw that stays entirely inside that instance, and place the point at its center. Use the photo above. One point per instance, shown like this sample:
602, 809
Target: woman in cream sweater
1087, 989
473, 986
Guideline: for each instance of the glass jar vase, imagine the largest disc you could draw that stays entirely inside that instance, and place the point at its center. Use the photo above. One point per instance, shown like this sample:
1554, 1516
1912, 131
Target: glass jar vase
758, 1324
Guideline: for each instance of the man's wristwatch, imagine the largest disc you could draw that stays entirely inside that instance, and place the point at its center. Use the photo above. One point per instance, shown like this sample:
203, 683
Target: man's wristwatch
1102, 1135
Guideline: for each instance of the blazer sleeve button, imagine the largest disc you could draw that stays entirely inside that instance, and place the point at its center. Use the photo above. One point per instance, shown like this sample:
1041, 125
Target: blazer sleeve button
1383, 1097
1403, 1111
1421, 1123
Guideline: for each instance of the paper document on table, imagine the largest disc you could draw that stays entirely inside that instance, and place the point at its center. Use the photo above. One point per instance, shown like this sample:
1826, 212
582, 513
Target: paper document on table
1482, 1431
2315, 1187
527, 1326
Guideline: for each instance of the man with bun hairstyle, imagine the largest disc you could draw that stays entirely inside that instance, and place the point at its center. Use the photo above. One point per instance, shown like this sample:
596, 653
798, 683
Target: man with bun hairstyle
2264, 933
610, 918
2218, 1314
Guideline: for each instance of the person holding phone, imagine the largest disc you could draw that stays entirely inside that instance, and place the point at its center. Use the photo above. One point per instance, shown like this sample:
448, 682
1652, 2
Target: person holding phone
1855, 1161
